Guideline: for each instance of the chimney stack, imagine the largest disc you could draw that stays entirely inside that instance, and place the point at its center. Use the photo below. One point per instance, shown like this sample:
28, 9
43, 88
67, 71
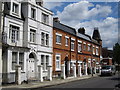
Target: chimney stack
81, 30
56, 19
39, 2
96, 34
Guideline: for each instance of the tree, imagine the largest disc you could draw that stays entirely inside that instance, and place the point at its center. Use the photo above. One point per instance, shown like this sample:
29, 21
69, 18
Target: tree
116, 53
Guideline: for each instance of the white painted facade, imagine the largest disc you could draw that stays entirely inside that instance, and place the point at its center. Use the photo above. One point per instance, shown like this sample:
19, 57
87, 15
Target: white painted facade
1, 28
26, 51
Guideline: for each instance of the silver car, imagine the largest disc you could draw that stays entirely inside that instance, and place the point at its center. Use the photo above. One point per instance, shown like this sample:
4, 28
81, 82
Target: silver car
108, 70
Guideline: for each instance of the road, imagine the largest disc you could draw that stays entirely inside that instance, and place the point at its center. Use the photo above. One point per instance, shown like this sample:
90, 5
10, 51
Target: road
100, 82
97, 82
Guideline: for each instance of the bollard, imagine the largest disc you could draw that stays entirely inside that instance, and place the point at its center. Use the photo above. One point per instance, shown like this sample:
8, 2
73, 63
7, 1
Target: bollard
40, 73
86, 70
18, 74
49, 77
63, 71
74, 70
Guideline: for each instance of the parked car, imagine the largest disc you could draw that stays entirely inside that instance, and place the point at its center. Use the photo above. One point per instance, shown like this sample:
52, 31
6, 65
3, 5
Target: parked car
108, 70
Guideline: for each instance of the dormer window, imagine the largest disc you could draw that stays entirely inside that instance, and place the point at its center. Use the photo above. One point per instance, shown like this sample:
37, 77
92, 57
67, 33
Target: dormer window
15, 8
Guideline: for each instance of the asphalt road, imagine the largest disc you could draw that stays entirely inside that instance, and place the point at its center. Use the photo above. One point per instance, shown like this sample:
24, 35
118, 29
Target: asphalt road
97, 82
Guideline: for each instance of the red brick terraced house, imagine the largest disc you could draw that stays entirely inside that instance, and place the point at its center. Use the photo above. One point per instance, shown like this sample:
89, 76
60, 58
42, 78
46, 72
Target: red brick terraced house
73, 48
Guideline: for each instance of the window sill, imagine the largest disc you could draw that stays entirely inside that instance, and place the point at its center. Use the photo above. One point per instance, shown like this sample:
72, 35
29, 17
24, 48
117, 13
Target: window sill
79, 51
13, 71
58, 70
33, 19
45, 23
66, 45
45, 46
72, 50
58, 43
32, 43
16, 14
45, 70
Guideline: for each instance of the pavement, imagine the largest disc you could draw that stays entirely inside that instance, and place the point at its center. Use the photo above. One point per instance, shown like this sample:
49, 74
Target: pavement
55, 81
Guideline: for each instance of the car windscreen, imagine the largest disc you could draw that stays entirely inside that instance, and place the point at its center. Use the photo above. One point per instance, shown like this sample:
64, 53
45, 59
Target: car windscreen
106, 67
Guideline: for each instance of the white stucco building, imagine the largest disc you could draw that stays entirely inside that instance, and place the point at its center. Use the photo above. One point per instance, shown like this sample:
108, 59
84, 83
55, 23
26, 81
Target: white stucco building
1, 29
27, 40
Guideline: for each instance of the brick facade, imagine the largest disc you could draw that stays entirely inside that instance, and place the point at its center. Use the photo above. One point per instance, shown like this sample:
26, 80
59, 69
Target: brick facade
83, 52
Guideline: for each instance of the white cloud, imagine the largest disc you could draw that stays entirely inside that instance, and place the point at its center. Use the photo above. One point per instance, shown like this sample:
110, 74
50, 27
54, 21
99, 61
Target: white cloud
108, 30
52, 5
80, 11
86, 14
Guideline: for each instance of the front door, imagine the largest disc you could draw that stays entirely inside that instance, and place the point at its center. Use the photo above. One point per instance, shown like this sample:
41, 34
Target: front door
66, 66
31, 67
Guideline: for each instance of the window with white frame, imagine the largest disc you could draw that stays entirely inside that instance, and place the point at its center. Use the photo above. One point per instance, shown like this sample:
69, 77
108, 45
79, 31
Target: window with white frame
79, 47
15, 8
58, 39
44, 61
96, 50
72, 45
58, 62
14, 33
44, 39
89, 62
89, 47
66, 41
21, 60
33, 13
14, 60
45, 18
47, 61
93, 50
32, 35
47, 39
84, 46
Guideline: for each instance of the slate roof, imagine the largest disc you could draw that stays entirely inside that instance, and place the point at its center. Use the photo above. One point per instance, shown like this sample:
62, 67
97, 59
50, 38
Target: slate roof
70, 30
86, 37
65, 28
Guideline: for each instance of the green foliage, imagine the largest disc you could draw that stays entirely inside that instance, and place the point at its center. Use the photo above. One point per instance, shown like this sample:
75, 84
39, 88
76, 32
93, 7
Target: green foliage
116, 53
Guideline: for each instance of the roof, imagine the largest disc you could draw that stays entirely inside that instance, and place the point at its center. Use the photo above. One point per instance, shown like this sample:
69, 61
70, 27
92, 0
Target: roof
64, 28
86, 37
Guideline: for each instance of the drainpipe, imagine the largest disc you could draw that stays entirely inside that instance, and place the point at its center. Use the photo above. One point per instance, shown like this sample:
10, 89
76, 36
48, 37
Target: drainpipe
76, 53
70, 55
92, 59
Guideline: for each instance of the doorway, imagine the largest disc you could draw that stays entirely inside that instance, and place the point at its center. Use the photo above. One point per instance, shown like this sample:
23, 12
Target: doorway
31, 65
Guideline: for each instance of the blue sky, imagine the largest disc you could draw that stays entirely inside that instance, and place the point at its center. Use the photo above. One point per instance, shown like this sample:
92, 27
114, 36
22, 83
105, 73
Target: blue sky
103, 15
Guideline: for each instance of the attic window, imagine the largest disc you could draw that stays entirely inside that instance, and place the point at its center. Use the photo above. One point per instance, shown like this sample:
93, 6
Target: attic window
15, 8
